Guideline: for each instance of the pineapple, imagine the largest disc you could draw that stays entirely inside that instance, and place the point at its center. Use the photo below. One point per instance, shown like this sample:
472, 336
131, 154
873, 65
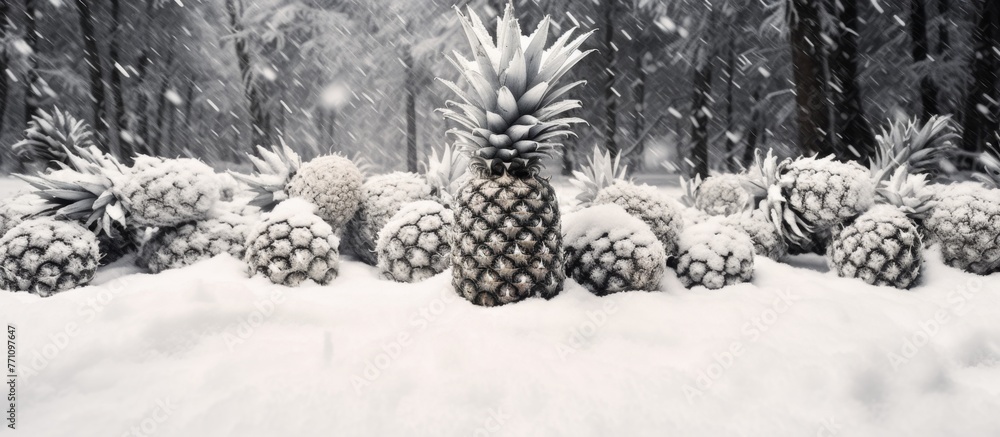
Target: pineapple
414, 244
966, 223
183, 245
608, 250
381, 198
600, 172
83, 190
333, 184
507, 217
880, 247
651, 206
274, 169
766, 240
50, 136
162, 192
722, 194
714, 255
602, 181
45, 256
291, 244
8, 219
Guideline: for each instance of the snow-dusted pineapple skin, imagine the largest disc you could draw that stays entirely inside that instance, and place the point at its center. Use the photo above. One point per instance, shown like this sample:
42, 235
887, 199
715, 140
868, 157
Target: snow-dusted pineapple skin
414, 244
8, 219
722, 194
881, 247
715, 255
766, 240
168, 192
46, 256
333, 184
608, 250
826, 192
966, 222
651, 206
188, 243
381, 198
292, 244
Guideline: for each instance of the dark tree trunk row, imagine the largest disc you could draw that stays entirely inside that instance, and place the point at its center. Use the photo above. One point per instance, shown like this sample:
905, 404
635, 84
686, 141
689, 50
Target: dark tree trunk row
700, 104
730, 116
981, 109
4, 84
93, 59
921, 53
125, 148
411, 112
610, 99
260, 120
853, 139
809, 71
32, 96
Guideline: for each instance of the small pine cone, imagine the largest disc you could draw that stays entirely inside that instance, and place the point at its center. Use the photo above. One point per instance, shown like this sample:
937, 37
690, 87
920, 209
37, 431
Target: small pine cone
333, 184
608, 250
167, 192
292, 244
180, 246
766, 240
715, 255
722, 194
46, 256
881, 247
414, 245
651, 206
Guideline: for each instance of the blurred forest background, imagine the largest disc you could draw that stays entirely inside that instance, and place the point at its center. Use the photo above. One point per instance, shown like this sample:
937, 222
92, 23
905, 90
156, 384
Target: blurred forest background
678, 85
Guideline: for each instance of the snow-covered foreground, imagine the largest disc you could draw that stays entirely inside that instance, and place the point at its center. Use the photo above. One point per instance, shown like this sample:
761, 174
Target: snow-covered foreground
206, 351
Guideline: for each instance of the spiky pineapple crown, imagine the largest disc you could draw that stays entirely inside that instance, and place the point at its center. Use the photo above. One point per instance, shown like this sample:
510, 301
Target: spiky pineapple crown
763, 182
906, 143
274, 169
908, 192
600, 172
513, 117
990, 175
690, 188
82, 189
444, 171
49, 136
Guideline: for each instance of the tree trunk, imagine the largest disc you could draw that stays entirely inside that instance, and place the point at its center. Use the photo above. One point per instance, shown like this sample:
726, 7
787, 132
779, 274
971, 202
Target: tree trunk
93, 57
813, 112
920, 51
609, 96
700, 112
260, 124
156, 141
730, 121
944, 37
981, 109
32, 96
854, 137
411, 111
126, 149
4, 87
754, 139
639, 94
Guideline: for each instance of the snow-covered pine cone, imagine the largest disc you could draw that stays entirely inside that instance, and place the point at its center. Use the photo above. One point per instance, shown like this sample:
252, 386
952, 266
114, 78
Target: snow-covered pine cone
714, 255
333, 184
651, 206
826, 192
414, 244
766, 241
381, 198
722, 194
966, 222
185, 244
46, 256
292, 244
608, 250
880, 247
167, 192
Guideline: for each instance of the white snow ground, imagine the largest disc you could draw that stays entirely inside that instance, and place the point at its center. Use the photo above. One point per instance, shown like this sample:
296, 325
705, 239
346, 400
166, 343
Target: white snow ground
206, 351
